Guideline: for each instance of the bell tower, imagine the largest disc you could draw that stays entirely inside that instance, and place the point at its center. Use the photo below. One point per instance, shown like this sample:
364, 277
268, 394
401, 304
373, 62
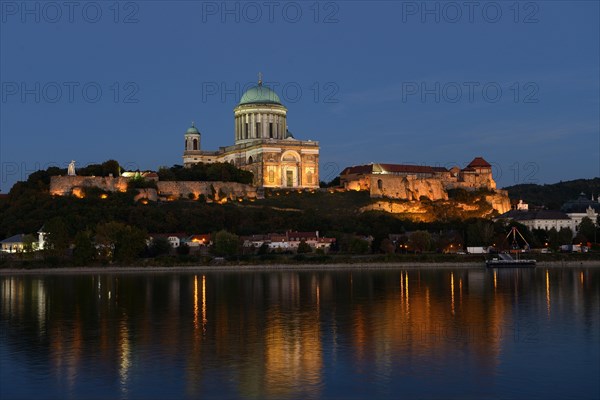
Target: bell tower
191, 149
192, 139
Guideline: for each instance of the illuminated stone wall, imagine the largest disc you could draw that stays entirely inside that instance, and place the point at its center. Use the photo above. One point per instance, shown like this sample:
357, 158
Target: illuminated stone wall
406, 187
173, 190
166, 190
67, 185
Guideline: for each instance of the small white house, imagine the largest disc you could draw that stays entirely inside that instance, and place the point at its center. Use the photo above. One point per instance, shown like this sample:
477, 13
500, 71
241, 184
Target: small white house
13, 244
174, 239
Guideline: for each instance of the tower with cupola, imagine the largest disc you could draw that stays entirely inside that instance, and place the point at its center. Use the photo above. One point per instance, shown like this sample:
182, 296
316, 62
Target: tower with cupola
191, 149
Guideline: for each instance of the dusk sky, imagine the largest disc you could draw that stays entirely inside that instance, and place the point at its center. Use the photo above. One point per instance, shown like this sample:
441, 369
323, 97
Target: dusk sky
426, 83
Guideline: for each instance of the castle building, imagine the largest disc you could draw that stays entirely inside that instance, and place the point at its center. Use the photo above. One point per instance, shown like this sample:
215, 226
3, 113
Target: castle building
263, 144
410, 182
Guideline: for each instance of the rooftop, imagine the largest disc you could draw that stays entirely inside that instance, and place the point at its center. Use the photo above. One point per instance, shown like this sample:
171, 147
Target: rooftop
479, 162
529, 215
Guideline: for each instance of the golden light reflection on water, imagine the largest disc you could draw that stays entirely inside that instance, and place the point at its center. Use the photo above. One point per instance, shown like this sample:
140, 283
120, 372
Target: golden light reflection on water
452, 292
196, 310
124, 354
194, 361
548, 292
204, 319
460, 291
495, 280
293, 355
270, 332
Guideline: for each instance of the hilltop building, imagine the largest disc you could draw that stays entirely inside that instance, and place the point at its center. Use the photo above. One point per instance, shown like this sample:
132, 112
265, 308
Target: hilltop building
569, 216
411, 182
262, 145
582, 207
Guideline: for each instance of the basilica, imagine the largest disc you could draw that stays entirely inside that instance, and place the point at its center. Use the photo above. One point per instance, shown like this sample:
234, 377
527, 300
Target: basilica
263, 144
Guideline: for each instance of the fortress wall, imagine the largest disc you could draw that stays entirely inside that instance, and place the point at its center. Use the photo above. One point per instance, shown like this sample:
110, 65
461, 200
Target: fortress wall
64, 185
73, 185
356, 182
182, 189
407, 187
412, 188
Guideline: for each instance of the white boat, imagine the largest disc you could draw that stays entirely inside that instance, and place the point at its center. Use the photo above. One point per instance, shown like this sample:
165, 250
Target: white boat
505, 260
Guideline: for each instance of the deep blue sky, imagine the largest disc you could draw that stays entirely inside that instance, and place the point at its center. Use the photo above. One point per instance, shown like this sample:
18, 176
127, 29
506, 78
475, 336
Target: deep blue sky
368, 78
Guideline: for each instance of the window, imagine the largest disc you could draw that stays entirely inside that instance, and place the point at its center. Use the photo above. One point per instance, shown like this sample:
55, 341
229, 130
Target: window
379, 184
250, 160
271, 130
258, 133
246, 130
195, 146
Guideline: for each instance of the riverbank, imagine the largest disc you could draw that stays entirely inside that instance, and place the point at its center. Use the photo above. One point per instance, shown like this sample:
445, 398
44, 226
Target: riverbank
291, 261
275, 268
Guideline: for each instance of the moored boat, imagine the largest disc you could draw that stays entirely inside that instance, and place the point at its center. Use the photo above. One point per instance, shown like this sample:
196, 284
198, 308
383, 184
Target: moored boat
505, 260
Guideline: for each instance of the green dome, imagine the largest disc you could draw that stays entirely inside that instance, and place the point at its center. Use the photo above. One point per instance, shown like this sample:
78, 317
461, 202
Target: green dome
260, 95
193, 130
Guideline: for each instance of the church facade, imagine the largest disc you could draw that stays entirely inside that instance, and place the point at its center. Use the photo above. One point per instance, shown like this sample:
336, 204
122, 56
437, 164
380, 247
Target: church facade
262, 145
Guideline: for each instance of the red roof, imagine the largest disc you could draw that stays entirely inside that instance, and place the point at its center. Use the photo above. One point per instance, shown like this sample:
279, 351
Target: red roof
394, 168
302, 235
410, 169
358, 169
479, 162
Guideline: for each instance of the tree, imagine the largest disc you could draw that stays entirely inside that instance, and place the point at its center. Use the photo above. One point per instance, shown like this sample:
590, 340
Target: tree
358, 246
263, 249
183, 249
57, 238
541, 237
159, 246
420, 241
480, 233
565, 236
84, 251
587, 228
226, 243
387, 246
111, 167
120, 242
304, 247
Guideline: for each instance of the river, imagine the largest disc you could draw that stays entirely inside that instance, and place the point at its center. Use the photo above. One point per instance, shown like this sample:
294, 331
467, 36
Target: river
435, 333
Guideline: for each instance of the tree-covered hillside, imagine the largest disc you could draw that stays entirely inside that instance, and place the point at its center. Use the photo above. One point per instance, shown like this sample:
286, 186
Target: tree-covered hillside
553, 196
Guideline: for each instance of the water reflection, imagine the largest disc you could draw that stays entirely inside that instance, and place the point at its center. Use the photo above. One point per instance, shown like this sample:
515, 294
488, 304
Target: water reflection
288, 334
